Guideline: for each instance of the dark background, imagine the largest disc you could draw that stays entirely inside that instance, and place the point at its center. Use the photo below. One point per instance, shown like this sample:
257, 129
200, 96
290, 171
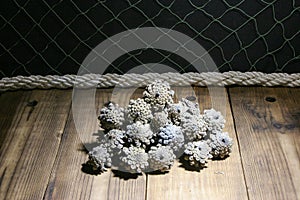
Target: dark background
53, 37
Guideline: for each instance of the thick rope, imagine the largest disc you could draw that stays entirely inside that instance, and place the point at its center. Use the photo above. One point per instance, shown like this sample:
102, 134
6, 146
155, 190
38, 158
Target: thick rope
140, 80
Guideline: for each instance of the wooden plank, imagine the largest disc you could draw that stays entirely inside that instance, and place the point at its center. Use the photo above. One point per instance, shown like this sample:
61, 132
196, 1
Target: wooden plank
268, 134
12, 104
119, 185
220, 180
69, 182
35, 138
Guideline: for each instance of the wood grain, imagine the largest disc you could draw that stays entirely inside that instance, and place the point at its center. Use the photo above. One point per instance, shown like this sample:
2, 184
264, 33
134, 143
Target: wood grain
268, 134
34, 140
42, 151
12, 110
120, 185
69, 182
221, 180
11, 105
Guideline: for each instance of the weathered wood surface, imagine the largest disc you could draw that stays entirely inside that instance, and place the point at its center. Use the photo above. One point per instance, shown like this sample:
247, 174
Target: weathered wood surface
220, 180
68, 181
31, 143
267, 125
42, 152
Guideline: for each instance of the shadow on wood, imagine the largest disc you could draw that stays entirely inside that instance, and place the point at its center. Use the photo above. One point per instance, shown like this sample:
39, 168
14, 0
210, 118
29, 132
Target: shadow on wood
184, 164
125, 175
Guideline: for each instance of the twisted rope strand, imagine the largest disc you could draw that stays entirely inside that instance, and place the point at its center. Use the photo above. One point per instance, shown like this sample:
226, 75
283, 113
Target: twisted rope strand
141, 80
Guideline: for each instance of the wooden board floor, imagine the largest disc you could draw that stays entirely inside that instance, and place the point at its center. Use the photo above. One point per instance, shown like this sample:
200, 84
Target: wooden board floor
41, 153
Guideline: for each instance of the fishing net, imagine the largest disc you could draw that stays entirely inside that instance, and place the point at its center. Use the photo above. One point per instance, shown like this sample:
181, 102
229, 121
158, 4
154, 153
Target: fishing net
53, 37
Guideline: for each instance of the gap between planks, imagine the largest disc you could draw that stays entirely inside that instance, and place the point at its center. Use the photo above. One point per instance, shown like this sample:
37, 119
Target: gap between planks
67, 181
63, 178
221, 179
107, 186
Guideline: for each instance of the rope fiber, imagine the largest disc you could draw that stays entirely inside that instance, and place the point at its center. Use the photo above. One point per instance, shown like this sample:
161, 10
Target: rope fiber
141, 80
